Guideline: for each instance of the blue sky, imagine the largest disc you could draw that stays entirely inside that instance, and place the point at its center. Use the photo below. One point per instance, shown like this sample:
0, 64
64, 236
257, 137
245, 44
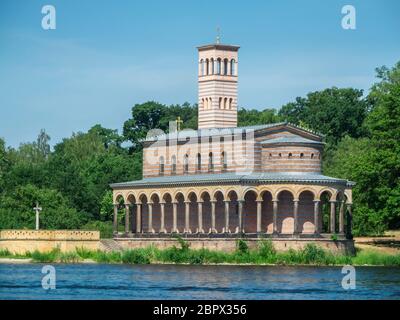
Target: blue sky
105, 56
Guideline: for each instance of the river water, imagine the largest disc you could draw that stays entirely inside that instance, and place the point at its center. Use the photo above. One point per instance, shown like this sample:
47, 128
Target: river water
103, 281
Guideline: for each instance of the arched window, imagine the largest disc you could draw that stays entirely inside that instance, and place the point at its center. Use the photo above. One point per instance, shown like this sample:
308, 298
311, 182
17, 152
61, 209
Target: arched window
161, 165
210, 162
173, 162
207, 66
210, 104
186, 163
224, 161
206, 105
233, 67
212, 65
280, 155
198, 162
301, 155
219, 66
270, 155
225, 103
230, 103
290, 155
202, 67
225, 67
220, 103
312, 155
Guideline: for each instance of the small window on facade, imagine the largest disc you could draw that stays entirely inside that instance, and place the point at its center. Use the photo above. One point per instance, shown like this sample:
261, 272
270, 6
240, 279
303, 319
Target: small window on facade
270, 155
301, 155
219, 66
233, 67
161, 165
186, 163
280, 155
290, 155
225, 67
210, 162
198, 162
312, 155
173, 161
224, 160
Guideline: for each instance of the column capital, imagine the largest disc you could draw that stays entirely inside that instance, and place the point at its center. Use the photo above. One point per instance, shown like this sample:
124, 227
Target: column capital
150, 203
174, 202
316, 200
187, 202
332, 201
162, 202
200, 201
259, 200
213, 201
296, 200
115, 204
139, 203
227, 201
275, 200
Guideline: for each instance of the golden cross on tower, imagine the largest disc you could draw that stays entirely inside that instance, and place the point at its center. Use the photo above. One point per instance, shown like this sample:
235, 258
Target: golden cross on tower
178, 123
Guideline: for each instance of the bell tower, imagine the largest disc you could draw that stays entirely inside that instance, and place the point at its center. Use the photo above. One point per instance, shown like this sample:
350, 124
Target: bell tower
218, 85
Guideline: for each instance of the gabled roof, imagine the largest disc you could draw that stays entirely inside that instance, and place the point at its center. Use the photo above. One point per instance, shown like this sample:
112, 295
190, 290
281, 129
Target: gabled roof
239, 177
190, 133
291, 140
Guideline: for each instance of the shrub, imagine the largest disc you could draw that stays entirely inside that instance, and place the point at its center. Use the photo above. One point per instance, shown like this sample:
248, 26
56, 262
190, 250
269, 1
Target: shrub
313, 254
242, 246
5, 253
266, 249
135, 256
48, 256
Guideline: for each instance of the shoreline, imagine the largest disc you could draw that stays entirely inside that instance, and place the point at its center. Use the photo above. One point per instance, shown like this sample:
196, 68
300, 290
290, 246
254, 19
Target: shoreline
264, 255
91, 261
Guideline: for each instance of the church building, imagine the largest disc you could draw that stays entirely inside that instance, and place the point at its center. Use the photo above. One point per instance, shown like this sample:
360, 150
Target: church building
224, 181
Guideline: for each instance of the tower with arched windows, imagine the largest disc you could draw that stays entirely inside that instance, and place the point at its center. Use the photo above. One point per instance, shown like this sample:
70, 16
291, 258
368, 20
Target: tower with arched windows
218, 84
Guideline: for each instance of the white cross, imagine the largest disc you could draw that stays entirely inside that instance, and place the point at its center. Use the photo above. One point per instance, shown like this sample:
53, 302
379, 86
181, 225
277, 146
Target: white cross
37, 209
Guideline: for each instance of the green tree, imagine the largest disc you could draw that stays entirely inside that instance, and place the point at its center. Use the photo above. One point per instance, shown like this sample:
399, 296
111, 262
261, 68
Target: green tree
333, 112
250, 117
374, 162
16, 209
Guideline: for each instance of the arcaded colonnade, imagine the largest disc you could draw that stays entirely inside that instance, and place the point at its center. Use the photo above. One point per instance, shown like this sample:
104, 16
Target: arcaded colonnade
273, 209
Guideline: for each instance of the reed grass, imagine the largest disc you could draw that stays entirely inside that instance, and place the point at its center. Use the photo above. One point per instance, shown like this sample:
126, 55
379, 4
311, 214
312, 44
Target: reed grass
265, 253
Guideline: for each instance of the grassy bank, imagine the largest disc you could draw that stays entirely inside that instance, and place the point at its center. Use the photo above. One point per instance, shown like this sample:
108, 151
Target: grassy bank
182, 254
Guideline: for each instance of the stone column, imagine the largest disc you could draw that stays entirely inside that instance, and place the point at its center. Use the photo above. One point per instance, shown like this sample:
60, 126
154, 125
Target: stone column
296, 216
200, 216
275, 216
162, 223
316, 216
213, 202
127, 214
150, 205
139, 217
259, 209
187, 222
240, 203
349, 222
175, 216
115, 217
333, 216
227, 204
341, 217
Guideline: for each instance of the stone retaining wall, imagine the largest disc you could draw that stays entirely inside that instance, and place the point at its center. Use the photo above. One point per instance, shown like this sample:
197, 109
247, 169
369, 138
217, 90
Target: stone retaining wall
229, 245
22, 241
